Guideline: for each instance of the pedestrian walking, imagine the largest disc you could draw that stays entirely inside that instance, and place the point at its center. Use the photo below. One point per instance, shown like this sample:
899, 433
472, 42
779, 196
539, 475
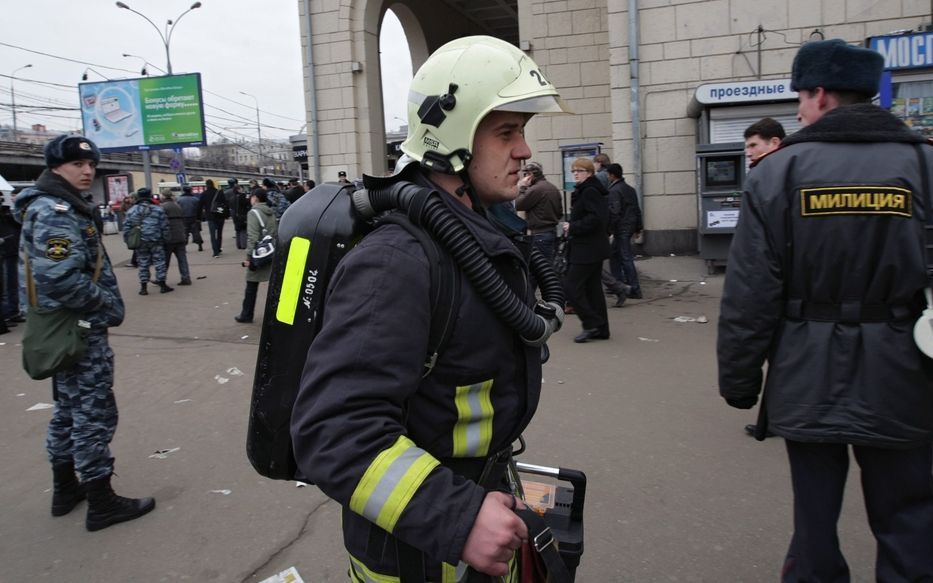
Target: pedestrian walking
826, 279
214, 211
175, 243
589, 247
191, 212
151, 253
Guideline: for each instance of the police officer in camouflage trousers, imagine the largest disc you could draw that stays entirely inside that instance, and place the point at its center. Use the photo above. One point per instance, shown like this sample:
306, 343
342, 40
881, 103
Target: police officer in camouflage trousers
62, 243
155, 233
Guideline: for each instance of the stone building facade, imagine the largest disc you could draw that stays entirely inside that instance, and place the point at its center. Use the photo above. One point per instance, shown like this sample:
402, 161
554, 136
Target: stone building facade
584, 48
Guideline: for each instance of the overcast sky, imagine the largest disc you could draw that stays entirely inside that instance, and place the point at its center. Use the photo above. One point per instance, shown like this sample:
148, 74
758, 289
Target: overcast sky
236, 45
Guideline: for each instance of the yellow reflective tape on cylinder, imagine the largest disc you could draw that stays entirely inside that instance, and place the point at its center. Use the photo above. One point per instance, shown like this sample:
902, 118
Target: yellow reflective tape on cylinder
292, 280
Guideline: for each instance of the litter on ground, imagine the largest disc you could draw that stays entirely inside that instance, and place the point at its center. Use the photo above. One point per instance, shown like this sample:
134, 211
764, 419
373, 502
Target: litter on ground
161, 454
289, 575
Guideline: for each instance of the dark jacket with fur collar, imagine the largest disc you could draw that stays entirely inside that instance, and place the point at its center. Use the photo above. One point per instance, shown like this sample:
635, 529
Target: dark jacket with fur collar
829, 237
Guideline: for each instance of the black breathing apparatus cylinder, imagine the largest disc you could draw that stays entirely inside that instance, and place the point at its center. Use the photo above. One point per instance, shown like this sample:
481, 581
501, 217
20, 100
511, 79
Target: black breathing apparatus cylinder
313, 236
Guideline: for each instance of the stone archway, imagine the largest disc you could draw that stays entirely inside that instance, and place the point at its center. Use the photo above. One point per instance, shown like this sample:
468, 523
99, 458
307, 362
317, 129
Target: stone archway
342, 70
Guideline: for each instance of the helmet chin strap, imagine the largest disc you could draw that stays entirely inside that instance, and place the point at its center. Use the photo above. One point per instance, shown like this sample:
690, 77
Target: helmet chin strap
468, 189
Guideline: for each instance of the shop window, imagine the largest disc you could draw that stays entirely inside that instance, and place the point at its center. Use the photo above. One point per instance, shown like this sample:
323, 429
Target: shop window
912, 101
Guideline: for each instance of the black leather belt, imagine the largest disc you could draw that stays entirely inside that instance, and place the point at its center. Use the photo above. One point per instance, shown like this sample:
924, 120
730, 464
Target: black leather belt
849, 312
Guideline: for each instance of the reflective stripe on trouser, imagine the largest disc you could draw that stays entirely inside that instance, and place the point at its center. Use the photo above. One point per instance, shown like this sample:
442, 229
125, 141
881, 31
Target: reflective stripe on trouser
85, 416
473, 431
359, 573
151, 254
390, 481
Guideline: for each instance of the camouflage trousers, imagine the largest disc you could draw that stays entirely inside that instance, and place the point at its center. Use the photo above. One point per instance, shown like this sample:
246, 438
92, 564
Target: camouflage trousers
151, 254
85, 416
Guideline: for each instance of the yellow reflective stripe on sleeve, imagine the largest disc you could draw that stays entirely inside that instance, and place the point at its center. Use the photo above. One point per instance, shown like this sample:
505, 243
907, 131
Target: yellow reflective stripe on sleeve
360, 574
390, 481
473, 431
292, 280
453, 574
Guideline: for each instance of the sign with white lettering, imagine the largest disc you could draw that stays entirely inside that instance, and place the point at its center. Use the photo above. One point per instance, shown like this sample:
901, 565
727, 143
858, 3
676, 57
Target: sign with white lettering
745, 92
904, 51
151, 113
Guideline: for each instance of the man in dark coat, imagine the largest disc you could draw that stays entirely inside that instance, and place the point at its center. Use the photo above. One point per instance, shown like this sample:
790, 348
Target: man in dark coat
826, 277
624, 222
237, 205
175, 243
294, 191
215, 211
191, 212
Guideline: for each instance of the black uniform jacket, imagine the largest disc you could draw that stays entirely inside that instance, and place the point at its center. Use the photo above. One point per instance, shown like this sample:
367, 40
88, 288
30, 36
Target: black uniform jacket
589, 222
825, 280
372, 433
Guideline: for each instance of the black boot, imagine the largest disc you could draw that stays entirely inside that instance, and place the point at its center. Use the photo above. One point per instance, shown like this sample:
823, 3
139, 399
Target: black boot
185, 281
105, 507
249, 303
67, 492
142, 290
163, 287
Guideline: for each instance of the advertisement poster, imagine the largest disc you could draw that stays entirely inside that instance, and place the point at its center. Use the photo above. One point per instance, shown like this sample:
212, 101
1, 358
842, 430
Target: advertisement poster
150, 113
118, 187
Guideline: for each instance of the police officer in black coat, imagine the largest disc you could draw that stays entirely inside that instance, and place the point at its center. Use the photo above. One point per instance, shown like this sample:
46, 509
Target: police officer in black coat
826, 279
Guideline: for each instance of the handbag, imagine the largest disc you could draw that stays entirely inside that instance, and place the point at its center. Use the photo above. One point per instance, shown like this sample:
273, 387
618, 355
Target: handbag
264, 250
134, 236
53, 340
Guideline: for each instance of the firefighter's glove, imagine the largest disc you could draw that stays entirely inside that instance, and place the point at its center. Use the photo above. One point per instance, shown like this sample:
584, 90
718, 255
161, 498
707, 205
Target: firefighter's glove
552, 315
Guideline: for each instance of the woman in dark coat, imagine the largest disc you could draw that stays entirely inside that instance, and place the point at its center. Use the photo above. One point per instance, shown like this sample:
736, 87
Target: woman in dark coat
589, 247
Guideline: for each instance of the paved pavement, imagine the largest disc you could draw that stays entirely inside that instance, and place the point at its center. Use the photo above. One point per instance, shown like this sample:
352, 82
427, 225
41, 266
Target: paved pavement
677, 492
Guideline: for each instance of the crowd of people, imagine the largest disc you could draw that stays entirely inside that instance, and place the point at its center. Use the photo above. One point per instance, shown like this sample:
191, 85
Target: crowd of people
826, 278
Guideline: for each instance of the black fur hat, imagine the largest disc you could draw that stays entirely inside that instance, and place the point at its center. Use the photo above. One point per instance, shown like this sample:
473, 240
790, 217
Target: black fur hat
836, 65
68, 149
143, 193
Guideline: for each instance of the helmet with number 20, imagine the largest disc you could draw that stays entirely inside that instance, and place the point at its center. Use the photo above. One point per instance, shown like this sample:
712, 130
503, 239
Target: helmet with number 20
458, 86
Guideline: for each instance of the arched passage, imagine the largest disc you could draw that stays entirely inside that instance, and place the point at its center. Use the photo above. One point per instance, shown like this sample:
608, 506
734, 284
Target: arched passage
343, 76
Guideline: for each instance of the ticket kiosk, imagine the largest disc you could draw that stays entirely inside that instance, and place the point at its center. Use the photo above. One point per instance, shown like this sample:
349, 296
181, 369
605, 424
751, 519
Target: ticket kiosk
720, 176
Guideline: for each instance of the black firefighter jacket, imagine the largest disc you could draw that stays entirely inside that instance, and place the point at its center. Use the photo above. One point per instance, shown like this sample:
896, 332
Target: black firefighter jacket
825, 280
373, 434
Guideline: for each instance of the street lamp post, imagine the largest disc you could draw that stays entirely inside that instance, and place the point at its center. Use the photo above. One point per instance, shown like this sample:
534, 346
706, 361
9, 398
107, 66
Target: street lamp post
167, 41
146, 64
258, 127
13, 99
169, 29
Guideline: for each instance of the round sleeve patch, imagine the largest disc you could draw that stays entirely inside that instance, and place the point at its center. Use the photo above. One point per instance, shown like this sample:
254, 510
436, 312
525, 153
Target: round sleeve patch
57, 249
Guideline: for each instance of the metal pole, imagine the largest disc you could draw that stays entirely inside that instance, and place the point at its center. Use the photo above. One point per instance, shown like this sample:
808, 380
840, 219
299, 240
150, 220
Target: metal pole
166, 40
258, 127
13, 99
633, 61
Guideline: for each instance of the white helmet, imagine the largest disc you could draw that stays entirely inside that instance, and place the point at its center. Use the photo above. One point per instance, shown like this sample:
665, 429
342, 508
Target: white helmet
458, 86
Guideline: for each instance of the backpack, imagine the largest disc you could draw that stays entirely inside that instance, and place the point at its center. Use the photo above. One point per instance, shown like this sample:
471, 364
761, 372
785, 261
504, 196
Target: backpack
312, 238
